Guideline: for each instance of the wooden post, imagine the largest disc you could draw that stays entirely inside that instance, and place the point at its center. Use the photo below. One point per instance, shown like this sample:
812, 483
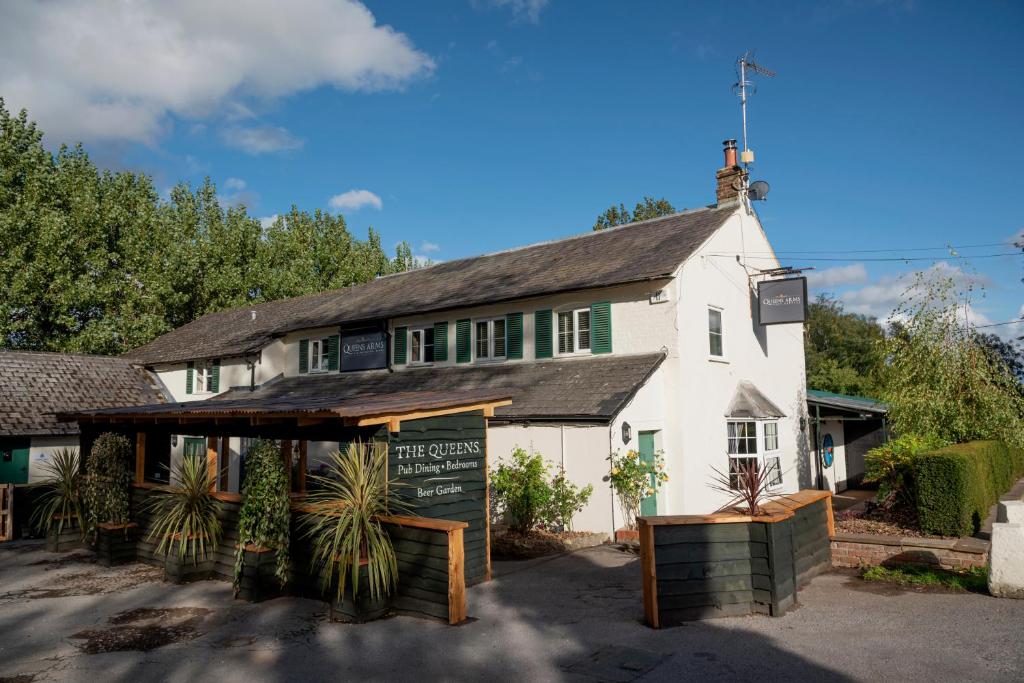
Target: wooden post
831, 516
225, 464
211, 461
303, 451
649, 573
456, 577
6, 512
140, 457
487, 498
286, 458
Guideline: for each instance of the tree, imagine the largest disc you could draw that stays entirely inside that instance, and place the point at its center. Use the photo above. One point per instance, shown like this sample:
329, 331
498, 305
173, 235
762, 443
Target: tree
841, 349
646, 209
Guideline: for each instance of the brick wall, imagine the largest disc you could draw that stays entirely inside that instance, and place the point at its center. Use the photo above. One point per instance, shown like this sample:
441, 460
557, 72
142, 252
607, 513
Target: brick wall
857, 550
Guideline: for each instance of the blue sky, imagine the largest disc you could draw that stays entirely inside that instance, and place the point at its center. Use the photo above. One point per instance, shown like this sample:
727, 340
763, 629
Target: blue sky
470, 126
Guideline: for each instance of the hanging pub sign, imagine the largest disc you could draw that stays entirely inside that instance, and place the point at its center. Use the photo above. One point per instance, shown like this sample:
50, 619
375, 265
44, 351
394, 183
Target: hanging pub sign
782, 301
365, 349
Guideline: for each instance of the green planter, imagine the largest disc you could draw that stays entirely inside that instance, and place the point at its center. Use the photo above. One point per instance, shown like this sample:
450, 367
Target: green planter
360, 609
115, 543
69, 538
258, 581
178, 570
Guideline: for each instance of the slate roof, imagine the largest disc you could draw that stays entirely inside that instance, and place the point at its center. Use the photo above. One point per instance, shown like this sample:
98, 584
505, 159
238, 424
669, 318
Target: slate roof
34, 386
856, 404
749, 402
592, 389
639, 252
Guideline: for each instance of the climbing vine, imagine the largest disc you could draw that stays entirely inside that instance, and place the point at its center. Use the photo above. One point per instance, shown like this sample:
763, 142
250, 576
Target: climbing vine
108, 480
265, 518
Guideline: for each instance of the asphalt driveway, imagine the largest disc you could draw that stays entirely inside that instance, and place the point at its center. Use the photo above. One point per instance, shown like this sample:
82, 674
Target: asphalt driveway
571, 618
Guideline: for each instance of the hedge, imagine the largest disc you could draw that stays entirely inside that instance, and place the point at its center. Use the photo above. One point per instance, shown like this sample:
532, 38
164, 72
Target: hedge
956, 485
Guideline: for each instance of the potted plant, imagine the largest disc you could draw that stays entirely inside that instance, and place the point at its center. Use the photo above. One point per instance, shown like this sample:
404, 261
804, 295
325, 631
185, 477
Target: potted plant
350, 550
106, 490
58, 512
632, 479
747, 484
264, 521
185, 521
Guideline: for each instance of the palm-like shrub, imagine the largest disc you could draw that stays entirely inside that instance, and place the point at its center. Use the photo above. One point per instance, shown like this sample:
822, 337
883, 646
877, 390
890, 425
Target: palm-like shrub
265, 517
747, 483
106, 486
61, 500
342, 521
186, 513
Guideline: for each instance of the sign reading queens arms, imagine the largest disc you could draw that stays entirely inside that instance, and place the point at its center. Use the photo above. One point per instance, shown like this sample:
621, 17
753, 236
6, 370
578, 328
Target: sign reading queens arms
365, 349
782, 301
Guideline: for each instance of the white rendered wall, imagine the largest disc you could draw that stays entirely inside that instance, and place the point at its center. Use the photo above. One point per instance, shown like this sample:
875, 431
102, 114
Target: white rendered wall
40, 453
834, 477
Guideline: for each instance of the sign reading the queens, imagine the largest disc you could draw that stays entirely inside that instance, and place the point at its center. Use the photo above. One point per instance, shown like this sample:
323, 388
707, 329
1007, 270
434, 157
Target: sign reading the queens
367, 350
438, 469
782, 301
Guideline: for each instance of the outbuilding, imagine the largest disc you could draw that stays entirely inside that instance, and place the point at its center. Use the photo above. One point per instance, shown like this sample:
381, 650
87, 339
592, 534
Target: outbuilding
845, 429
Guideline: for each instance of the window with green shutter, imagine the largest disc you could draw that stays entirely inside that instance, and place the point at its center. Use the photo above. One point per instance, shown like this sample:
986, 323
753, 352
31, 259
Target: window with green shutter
332, 353
542, 345
514, 332
215, 376
400, 340
303, 356
601, 327
189, 377
463, 343
441, 341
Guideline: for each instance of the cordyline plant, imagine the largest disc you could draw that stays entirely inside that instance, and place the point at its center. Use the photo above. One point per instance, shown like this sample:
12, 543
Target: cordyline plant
107, 483
634, 479
265, 518
186, 513
747, 485
61, 500
343, 521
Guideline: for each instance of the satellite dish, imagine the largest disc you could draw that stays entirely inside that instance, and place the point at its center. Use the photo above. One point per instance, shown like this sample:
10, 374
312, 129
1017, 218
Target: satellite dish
758, 190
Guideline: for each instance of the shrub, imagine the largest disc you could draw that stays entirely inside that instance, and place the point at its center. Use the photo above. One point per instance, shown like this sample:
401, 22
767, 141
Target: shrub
521, 489
633, 479
186, 514
106, 486
566, 500
265, 517
956, 485
891, 467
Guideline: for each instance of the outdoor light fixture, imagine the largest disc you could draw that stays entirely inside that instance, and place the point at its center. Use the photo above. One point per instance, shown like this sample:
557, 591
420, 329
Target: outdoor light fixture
803, 423
174, 440
626, 432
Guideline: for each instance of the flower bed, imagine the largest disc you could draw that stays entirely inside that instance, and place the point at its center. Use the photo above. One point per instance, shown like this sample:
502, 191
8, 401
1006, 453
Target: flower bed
512, 545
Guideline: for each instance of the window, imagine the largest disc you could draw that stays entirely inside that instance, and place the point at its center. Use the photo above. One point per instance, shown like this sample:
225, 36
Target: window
490, 339
574, 331
716, 345
318, 351
742, 448
423, 345
201, 378
771, 446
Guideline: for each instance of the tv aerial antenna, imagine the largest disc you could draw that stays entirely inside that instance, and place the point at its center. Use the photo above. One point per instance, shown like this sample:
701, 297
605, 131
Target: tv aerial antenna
745, 67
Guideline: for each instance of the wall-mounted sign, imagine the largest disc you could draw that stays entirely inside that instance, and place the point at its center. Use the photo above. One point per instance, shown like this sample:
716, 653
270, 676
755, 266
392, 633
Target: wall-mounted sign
364, 350
437, 470
782, 301
828, 450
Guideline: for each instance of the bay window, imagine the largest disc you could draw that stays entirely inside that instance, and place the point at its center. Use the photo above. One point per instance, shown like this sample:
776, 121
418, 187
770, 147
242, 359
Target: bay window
752, 442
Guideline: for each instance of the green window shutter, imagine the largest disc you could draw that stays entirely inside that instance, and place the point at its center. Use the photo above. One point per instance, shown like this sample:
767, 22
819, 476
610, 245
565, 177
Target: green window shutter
215, 376
601, 327
189, 377
332, 352
303, 356
514, 334
441, 341
542, 334
401, 339
463, 346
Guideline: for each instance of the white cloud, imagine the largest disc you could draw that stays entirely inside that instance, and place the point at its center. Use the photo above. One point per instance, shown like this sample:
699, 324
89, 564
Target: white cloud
522, 10
853, 274
234, 184
353, 200
117, 70
260, 139
429, 247
267, 221
881, 298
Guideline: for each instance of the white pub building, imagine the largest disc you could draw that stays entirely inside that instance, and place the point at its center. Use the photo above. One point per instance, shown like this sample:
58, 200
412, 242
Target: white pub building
641, 337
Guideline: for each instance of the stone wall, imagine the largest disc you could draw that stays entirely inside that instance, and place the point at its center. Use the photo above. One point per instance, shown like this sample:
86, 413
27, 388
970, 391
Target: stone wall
860, 550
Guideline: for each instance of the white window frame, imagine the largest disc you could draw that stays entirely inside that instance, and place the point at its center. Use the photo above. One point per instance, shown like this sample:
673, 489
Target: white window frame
721, 334
491, 357
575, 317
202, 373
319, 359
422, 332
772, 454
762, 454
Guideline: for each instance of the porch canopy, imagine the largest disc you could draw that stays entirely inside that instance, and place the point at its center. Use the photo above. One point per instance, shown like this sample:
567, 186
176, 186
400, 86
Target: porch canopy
828, 405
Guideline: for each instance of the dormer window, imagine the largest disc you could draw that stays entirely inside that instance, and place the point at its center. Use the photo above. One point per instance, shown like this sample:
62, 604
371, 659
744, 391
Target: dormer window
574, 331
318, 354
422, 345
490, 339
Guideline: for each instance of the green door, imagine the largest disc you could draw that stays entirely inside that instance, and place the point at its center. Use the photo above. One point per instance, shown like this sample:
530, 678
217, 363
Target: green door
14, 461
649, 505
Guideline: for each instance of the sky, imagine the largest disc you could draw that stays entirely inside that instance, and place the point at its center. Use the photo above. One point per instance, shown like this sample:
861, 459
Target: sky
468, 126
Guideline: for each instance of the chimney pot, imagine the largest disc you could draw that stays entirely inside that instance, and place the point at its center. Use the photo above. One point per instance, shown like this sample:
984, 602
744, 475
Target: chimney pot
729, 147
731, 178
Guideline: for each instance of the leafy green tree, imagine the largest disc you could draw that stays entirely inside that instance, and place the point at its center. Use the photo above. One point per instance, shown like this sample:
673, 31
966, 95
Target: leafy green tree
842, 349
646, 209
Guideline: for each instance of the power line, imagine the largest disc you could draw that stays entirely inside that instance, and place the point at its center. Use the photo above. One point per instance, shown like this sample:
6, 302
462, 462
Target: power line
895, 258
882, 251
1008, 322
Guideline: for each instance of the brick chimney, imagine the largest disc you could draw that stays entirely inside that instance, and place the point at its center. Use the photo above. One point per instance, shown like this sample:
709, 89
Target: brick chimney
730, 177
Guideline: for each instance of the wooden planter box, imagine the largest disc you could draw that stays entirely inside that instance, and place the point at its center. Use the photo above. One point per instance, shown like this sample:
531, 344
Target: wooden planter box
177, 570
69, 538
258, 581
361, 609
115, 543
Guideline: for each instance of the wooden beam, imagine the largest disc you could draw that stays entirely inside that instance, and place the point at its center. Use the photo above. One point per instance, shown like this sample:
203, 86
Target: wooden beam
394, 426
225, 462
649, 576
286, 458
309, 421
211, 461
456, 578
831, 516
303, 451
140, 457
370, 420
